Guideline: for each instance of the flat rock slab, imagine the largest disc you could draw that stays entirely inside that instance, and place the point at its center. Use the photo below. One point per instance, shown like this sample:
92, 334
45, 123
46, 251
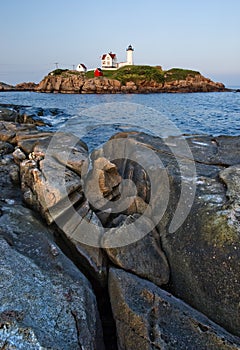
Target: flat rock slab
148, 317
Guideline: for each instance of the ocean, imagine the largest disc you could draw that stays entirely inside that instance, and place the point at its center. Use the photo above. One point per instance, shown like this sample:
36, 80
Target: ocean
94, 118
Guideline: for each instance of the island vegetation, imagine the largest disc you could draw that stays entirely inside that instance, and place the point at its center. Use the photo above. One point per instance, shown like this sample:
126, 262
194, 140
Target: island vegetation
135, 73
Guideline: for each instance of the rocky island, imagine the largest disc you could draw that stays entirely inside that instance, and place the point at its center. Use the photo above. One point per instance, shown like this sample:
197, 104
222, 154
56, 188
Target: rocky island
171, 289
128, 79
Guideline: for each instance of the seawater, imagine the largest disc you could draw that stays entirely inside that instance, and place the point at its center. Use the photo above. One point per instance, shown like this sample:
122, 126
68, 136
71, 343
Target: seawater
96, 117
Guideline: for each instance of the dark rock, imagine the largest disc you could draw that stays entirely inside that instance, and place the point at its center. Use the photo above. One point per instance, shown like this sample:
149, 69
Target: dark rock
8, 115
52, 303
9, 173
15, 114
5, 148
203, 250
231, 176
148, 317
14, 174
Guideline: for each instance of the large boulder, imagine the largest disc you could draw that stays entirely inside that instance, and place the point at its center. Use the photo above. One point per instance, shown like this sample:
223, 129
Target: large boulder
45, 302
50, 175
148, 317
144, 257
199, 232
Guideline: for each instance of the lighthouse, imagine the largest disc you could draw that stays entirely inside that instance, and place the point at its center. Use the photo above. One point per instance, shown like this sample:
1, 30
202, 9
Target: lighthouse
109, 60
130, 55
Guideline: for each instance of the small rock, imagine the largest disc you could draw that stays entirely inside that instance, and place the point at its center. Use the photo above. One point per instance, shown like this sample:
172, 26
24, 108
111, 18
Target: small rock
18, 155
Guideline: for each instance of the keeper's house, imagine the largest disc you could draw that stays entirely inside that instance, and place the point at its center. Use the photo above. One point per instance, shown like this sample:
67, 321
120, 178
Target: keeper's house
109, 60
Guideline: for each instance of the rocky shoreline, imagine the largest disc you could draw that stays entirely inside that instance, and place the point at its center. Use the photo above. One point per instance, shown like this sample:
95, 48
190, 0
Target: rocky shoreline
102, 85
79, 84
19, 87
172, 289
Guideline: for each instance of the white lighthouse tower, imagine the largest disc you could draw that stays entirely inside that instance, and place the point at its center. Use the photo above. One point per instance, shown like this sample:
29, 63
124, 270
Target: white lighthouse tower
130, 55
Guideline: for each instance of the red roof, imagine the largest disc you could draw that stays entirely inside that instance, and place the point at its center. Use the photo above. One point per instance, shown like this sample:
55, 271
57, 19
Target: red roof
113, 55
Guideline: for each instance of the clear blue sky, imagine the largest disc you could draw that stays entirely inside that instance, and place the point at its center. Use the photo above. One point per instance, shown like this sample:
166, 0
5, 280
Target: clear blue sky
202, 35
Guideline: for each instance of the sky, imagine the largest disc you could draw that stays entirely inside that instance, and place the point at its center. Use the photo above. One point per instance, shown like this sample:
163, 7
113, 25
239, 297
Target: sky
201, 35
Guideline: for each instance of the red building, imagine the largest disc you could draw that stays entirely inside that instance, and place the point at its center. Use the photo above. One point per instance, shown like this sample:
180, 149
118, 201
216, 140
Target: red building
98, 72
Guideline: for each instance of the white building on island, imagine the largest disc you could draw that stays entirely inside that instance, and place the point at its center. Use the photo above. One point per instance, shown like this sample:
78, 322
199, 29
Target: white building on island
109, 60
81, 68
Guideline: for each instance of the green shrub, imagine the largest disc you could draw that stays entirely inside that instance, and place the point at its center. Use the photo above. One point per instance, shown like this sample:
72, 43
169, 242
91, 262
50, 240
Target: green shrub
58, 71
179, 74
136, 73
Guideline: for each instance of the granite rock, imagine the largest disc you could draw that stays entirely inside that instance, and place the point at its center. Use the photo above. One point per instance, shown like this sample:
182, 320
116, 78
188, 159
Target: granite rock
44, 296
144, 257
203, 251
148, 317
